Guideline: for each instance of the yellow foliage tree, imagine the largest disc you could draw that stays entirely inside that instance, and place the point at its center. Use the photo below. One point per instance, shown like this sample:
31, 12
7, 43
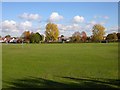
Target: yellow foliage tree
26, 36
51, 32
98, 32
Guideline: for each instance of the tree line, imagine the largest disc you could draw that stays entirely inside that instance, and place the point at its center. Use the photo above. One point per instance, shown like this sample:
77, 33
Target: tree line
52, 35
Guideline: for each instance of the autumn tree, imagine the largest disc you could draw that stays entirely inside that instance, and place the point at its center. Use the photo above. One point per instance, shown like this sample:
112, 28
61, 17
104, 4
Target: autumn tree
26, 36
51, 32
76, 37
98, 32
112, 37
83, 36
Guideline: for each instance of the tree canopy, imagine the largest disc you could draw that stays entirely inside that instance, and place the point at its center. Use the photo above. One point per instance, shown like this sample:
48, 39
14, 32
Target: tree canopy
118, 35
7, 36
26, 35
112, 37
76, 37
35, 38
98, 32
51, 32
83, 36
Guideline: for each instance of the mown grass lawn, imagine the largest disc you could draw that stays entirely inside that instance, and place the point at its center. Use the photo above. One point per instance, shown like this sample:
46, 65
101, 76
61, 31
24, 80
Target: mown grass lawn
57, 65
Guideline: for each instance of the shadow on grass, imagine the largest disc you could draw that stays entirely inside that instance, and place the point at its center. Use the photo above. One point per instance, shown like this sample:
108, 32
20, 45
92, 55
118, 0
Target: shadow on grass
33, 82
96, 82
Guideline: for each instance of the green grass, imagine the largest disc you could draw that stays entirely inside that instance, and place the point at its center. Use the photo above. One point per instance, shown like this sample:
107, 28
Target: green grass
55, 61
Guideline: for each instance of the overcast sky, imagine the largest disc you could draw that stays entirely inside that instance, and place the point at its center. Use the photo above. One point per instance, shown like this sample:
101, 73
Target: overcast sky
70, 17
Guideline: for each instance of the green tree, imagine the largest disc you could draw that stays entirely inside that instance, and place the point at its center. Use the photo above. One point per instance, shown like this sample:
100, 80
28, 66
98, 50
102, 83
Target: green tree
112, 37
32, 38
118, 35
42, 37
88, 39
51, 32
98, 32
35, 38
7, 36
38, 37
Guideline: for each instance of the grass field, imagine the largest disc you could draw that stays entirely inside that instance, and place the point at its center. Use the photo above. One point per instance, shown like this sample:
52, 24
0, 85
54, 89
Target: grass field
60, 65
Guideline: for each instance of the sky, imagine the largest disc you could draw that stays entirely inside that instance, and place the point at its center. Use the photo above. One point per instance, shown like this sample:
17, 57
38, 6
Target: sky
60, 0
70, 17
